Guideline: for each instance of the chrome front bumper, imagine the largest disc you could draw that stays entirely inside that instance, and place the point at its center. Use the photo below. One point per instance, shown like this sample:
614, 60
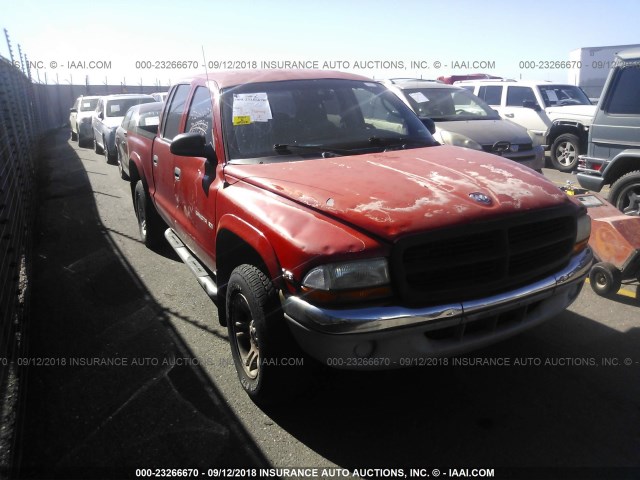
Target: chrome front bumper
395, 333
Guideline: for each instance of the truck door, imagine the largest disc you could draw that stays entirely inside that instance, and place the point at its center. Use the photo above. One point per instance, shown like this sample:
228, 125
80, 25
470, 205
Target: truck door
197, 186
536, 122
162, 159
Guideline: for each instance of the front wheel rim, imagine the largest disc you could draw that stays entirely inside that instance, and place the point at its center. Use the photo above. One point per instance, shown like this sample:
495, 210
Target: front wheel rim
566, 154
245, 336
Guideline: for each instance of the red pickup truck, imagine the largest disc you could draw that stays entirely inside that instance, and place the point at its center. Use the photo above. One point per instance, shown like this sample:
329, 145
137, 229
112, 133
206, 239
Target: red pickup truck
320, 215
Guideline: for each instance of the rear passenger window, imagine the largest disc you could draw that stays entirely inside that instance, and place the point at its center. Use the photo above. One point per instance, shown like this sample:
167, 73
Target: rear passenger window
126, 121
625, 98
200, 118
176, 109
491, 94
517, 95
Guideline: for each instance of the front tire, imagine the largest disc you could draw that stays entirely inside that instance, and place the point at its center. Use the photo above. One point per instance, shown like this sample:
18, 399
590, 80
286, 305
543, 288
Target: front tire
564, 152
625, 193
109, 157
150, 225
261, 344
96, 148
74, 136
605, 279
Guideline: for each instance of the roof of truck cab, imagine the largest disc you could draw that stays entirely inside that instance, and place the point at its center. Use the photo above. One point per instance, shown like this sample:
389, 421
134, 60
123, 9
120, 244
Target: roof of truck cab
629, 54
231, 78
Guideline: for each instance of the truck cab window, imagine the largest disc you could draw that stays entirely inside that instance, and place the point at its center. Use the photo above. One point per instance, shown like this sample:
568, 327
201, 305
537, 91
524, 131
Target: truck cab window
176, 109
200, 118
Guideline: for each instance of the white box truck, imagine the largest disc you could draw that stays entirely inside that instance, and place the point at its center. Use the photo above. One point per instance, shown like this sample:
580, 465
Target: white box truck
591, 65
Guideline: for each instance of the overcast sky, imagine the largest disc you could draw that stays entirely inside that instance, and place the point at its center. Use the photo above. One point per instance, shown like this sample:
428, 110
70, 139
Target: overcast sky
383, 37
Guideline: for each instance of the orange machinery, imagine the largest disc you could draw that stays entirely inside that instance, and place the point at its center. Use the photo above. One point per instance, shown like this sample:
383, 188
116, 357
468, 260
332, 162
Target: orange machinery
615, 241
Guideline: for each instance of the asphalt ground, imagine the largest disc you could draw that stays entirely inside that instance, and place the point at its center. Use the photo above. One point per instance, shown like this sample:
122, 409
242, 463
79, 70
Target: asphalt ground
558, 401
110, 387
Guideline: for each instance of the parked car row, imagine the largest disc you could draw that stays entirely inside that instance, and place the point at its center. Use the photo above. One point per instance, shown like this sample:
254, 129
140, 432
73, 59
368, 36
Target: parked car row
95, 119
514, 119
456, 116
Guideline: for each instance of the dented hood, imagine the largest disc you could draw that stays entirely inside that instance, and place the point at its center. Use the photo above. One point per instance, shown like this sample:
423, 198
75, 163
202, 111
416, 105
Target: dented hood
406, 191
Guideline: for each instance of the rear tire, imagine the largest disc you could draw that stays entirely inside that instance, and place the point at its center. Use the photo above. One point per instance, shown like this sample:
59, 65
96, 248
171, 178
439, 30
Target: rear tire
261, 344
605, 279
150, 225
564, 152
625, 193
123, 175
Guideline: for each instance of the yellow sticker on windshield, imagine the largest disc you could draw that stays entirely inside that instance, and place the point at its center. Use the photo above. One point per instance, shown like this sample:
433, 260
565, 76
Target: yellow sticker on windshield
242, 120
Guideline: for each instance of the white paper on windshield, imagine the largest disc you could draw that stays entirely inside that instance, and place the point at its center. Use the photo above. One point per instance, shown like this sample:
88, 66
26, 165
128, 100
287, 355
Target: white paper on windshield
419, 97
151, 121
251, 107
114, 108
551, 95
86, 105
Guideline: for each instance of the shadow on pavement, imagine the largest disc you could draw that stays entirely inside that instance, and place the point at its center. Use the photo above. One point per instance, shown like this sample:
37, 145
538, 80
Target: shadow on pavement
580, 407
110, 386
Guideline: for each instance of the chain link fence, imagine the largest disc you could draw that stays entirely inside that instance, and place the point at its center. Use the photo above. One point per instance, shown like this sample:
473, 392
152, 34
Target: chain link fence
27, 110
21, 123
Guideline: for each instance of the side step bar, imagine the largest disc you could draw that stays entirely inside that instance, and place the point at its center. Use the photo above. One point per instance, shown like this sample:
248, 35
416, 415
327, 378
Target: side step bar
204, 279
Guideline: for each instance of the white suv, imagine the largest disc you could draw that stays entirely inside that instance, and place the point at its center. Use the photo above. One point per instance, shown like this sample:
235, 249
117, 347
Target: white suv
80, 119
557, 115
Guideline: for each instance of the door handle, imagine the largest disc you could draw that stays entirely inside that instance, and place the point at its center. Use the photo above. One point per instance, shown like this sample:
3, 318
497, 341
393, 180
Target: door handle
509, 115
176, 173
155, 160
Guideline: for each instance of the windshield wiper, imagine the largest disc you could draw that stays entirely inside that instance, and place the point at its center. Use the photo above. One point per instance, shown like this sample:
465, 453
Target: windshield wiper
398, 142
326, 152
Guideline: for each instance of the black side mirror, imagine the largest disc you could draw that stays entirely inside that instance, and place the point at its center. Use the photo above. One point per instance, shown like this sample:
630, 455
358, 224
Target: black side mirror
430, 124
73, 110
101, 115
192, 145
532, 105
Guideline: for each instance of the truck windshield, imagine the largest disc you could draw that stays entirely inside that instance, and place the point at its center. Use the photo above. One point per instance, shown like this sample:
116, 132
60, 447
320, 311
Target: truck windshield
119, 107
88, 105
449, 104
559, 95
299, 119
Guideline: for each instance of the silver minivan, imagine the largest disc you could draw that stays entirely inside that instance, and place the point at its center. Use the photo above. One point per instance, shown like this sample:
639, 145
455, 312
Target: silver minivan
613, 152
464, 120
